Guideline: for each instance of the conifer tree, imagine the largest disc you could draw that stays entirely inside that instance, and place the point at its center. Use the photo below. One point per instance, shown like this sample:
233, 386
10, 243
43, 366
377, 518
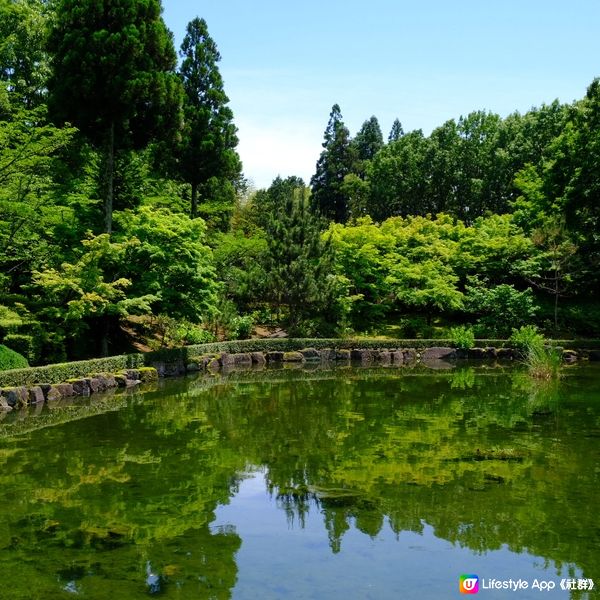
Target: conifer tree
209, 136
369, 140
299, 261
113, 77
397, 132
336, 161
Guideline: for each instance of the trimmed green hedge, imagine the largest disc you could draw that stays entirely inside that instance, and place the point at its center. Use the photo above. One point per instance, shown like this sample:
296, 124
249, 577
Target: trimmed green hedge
23, 344
61, 372
10, 359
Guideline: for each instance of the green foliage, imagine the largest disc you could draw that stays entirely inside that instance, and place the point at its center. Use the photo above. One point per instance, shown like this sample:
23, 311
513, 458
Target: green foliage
336, 161
29, 215
208, 142
23, 60
10, 320
498, 308
177, 333
9, 359
90, 287
300, 264
168, 262
525, 337
463, 337
243, 326
543, 362
114, 79
62, 372
26, 345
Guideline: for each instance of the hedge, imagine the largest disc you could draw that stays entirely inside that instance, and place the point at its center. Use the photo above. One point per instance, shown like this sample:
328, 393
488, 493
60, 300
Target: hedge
11, 359
61, 372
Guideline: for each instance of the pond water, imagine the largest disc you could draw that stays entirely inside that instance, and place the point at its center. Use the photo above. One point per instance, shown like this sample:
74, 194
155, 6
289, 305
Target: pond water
344, 483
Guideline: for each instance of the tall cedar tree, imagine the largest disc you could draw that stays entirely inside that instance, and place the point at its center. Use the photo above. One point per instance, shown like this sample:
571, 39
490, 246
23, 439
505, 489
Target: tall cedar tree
209, 135
113, 77
336, 161
367, 142
396, 132
369, 139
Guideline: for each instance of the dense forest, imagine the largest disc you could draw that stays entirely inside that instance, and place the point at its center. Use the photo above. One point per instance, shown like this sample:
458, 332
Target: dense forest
125, 213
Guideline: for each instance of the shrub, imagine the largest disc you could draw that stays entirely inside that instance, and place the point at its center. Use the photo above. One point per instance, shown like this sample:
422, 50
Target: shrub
9, 359
463, 337
23, 344
242, 327
500, 307
525, 338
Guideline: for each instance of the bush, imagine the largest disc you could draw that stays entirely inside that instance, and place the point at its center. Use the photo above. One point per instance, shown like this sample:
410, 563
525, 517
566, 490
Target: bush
9, 359
526, 337
242, 327
500, 307
23, 344
21, 375
463, 337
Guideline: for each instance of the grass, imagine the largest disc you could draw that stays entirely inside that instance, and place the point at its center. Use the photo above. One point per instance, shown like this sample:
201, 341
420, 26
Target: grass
543, 362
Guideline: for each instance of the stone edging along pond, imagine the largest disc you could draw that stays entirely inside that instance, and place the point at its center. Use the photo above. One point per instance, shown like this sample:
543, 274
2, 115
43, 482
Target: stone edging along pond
22, 387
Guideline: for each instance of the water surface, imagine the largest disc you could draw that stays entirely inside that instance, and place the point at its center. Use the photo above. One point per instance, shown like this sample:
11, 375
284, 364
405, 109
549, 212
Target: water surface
347, 483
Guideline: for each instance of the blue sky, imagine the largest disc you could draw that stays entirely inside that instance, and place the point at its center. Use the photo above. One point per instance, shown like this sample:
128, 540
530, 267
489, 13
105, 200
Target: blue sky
286, 63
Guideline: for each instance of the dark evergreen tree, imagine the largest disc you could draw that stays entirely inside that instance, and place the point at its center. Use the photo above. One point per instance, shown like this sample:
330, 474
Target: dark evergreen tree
336, 161
113, 77
369, 140
397, 132
299, 262
209, 136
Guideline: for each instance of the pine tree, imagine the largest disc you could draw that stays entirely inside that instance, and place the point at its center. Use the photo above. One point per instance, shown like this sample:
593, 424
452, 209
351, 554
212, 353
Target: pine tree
336, 161
209, 136
113, 77
397, 132
299, 261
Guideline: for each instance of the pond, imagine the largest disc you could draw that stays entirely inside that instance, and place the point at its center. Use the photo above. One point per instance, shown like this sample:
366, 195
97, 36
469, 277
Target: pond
343, 483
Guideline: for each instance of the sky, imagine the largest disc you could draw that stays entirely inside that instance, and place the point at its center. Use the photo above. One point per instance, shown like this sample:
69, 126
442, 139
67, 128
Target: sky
285, 64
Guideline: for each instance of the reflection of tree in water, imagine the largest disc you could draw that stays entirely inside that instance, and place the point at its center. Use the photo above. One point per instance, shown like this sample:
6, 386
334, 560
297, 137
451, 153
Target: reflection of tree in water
116, 509
487, 460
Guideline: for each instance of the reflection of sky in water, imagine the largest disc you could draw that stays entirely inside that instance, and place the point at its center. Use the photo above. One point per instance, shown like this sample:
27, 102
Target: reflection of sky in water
280, 559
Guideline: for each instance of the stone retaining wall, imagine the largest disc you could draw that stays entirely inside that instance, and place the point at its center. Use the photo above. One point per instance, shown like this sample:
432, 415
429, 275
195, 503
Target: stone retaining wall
17, 397
21, 396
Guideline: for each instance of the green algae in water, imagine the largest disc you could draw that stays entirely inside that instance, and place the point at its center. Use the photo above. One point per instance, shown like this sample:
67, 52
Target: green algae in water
328, 484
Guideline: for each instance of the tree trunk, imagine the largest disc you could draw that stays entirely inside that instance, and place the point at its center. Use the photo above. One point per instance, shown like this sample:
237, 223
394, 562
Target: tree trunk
556, 293
194, 210
105, 335
110, 179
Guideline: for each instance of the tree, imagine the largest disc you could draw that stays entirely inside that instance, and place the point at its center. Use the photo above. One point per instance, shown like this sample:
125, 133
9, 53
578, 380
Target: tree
171, 262
299, 265
209, 137
23, 59
396, 132
369, 140
398, 178
89, 292
28, 213
336, 161
113, 77
555, 265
